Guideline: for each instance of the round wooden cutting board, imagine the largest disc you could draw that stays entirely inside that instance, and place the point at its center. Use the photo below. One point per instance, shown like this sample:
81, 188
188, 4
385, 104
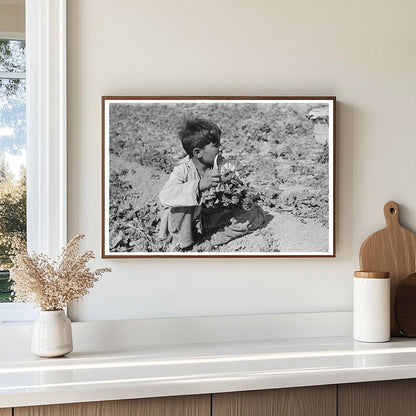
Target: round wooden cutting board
393, 250
405, 305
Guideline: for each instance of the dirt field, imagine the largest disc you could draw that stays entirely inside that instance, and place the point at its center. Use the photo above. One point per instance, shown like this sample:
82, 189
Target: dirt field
275, 153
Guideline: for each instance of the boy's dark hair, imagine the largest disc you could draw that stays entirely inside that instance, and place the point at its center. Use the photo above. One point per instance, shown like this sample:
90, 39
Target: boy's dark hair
197, 133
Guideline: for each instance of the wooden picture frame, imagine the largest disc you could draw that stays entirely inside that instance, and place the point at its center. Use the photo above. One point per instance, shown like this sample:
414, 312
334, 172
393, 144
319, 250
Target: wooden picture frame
277, 174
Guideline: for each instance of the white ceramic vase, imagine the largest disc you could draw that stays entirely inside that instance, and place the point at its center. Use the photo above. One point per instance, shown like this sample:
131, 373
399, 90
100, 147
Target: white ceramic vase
52, 334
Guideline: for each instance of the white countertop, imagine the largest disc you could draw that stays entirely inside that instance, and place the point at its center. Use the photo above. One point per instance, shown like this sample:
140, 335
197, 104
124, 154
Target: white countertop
151, 371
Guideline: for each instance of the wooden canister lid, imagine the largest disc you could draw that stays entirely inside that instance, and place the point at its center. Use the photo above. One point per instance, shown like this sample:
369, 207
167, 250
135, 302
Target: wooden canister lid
372, 275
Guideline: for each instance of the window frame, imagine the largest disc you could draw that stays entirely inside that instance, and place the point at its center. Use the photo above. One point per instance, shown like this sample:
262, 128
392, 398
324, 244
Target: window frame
46, 125
46, 137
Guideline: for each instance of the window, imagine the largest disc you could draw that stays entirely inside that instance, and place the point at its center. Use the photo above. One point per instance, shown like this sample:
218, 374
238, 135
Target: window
12, 153
46, 135
12, 166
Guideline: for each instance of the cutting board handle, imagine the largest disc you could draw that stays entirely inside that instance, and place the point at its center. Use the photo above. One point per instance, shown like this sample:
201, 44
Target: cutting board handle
391, 214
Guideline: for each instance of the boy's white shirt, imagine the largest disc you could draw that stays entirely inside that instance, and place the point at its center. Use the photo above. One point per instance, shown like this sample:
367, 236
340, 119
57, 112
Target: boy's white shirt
180, 190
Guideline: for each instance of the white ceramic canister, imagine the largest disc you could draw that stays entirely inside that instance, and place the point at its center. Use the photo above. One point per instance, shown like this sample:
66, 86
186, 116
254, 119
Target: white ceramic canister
371, 309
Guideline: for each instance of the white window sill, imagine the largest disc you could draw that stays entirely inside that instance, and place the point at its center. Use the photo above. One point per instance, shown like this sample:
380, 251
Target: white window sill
16, 313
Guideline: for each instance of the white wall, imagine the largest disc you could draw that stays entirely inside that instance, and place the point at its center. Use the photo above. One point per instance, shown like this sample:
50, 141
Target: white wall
12, 18
363, 52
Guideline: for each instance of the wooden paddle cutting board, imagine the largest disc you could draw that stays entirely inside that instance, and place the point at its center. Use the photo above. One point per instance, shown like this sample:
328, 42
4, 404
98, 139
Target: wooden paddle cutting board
393, 250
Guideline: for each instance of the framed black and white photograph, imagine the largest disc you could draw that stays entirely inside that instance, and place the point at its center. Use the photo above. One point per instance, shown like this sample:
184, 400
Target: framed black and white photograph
218, 176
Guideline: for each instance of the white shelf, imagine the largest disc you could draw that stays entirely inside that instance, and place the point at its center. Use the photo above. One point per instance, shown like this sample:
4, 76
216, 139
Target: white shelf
151, 371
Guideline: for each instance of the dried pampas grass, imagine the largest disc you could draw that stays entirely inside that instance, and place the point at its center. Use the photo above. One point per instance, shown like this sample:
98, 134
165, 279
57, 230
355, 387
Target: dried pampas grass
53, 285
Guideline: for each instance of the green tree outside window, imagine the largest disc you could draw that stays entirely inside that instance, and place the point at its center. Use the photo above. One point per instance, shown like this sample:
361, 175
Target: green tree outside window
12, 148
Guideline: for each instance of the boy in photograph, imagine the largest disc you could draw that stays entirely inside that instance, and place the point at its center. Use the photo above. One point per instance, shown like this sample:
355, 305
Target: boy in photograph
193, 226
